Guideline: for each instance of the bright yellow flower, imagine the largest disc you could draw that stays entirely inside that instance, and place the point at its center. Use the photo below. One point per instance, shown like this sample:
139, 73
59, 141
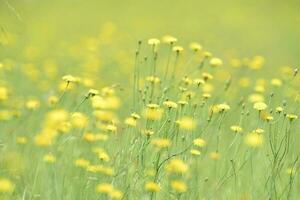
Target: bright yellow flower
79, 120
195, 152
187, 123
32, 104
176, 166
152, 187
216, 62
260, 106
83, 163
195, 46
292, 117
170, 104
154, 41
104, 188
254, 139
152, 113
177, 49
49, 158
236, 128
179, 186
161, 142
169, 39
130, 121
276, 82
70, 79
6, 186
199, 142
279, 109
3, 93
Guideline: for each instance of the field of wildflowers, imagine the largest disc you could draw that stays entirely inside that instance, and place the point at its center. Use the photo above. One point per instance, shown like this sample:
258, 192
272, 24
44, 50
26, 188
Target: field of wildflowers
95, 115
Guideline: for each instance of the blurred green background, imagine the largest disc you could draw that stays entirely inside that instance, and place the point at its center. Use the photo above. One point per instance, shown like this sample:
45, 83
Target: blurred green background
235, 28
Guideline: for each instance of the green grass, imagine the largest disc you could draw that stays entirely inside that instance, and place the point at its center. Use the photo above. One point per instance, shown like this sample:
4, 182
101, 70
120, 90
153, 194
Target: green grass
61, 140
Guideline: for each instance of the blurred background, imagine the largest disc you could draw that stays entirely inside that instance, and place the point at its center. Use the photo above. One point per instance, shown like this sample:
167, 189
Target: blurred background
32, 29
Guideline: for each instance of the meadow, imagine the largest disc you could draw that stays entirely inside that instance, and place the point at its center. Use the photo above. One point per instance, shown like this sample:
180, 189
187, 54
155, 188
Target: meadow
149, 105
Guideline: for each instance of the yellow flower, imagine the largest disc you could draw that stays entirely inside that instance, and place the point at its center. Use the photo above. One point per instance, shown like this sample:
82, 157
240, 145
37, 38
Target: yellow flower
207, 76
195, 152
111, 128
130, 121
199, 142
55, 118
223, 107
199, 81
70, 79
169, 39
152, 187
52, 100
257, 62
92, 92
135, 116
215, 155
32, 104
154, 41
153, 79
179, 186
148, 133
254, 139
170, 104
279, 109
103, 156
101, 169
256, 98
64, 127
187, 81
89, 137
260, 106
83, 163
46, 137
108, 189
236, 128
195, 46
6, 186
104, 115
5, 115
176, 166
116, 194
152, 112
207, 54
269, 118
104, 188
187, 123
161, 142
259, 88
177, 49
258, 131
206, 95
216, 62
79, 120
49, 158
276, 82
292, 117
3, 93
100, 137
182, 103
